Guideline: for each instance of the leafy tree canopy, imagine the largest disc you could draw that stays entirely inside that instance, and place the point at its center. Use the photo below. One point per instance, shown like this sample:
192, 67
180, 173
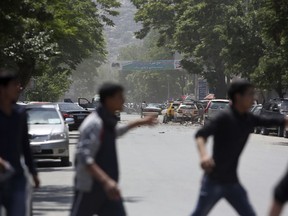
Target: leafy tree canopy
60, 34
220, 38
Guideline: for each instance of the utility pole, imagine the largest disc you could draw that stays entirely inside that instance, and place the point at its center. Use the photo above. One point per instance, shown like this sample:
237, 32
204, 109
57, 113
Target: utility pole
168, 87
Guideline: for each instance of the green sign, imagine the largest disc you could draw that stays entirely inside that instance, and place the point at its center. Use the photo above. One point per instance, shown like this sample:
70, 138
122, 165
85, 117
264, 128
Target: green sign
148, 66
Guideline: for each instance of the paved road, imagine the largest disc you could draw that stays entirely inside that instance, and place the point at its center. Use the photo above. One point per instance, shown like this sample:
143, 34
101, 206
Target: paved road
161, 176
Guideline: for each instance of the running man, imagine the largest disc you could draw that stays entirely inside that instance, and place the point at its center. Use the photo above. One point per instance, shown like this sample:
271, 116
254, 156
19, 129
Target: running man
97, 174
14, 144
230, 130
280, 196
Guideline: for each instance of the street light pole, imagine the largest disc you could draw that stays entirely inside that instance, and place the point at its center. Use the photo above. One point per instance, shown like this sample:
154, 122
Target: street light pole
168, 89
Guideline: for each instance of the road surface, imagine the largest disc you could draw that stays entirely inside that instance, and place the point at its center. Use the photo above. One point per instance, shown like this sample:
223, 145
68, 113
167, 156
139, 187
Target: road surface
160, 174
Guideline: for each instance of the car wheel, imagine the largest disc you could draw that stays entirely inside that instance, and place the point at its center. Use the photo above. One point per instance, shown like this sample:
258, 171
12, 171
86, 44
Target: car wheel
264, 131
65, 161
280, 132
286, 134
257, 130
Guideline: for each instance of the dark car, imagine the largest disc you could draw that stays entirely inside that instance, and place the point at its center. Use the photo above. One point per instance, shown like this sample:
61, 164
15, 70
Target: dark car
256, 110
91, 106
274, 108
70, 110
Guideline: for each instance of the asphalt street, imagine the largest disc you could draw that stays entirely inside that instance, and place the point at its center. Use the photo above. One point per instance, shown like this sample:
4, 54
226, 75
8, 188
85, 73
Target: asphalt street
160, 173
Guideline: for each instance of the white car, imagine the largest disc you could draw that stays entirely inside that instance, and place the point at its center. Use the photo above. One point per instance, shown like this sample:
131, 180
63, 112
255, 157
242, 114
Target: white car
48, 133
152, 109
214, 107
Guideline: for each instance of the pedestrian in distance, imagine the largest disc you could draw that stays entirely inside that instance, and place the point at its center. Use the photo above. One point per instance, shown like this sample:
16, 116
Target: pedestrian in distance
97, 174
280, 196
143, 106
230, 130
14, 144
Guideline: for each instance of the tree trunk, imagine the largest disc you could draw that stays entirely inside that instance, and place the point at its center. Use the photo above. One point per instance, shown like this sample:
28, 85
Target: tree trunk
280, 92
25, 72
221, 86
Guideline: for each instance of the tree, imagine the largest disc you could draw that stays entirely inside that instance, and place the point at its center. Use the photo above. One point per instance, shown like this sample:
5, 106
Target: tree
49, 88
221, 39
272, 71
151, 85
60, 34
197, 29
88, 76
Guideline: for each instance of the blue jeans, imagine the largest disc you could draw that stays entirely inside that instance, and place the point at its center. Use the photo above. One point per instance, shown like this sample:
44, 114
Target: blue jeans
211, 192
13, 194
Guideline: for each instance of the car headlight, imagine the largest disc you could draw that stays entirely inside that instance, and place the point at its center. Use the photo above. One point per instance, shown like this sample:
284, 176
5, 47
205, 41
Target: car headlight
58, 136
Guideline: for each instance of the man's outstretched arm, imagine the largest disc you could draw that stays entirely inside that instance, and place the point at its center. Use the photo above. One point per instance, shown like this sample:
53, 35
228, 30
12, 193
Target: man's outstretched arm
149, 120
270, 121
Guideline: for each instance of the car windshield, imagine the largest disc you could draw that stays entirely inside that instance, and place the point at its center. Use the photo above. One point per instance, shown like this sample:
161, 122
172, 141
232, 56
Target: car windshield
284, 106
69, 107
43, 116
219, 105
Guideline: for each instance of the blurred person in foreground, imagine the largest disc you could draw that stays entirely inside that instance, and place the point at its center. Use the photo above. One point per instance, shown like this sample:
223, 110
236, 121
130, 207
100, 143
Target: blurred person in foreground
230, 129
280, 196
97, 174
14, 144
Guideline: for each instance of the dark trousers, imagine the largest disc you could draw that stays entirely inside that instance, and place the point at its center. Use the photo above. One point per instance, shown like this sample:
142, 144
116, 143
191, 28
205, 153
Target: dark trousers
211, 192
96, 203
13, 195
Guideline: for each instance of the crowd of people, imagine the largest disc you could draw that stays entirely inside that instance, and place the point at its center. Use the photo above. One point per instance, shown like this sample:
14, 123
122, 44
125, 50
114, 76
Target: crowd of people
96, 164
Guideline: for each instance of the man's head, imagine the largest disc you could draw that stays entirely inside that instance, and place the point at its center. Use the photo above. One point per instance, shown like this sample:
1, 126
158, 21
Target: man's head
241, 93
112, 96
9, 85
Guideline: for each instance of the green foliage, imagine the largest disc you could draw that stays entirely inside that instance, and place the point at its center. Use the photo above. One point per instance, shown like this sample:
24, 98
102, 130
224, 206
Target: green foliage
272, 71
151, 86
221, 39
52, 35
49, 88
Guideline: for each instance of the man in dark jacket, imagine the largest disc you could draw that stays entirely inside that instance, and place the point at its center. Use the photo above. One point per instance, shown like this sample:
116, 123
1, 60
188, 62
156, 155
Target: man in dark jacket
14, 143
230, 130
97, 173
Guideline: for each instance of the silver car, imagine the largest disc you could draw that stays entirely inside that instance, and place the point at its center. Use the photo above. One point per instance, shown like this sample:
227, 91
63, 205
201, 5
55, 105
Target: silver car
214, 107
48, 133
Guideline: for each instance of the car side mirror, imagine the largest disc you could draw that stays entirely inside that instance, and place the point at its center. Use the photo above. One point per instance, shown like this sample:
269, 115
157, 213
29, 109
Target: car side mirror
69, 121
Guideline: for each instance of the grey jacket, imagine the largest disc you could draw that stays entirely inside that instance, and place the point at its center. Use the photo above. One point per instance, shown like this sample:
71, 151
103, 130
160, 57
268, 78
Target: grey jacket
87, 148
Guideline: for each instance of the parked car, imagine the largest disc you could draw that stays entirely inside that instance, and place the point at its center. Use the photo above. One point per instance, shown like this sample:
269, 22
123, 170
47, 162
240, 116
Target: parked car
168, 114
275, 108
191, 111
214, 107
88, 105
92, 105
70, 110
204, 103
152, 109
256, 110
48, 133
